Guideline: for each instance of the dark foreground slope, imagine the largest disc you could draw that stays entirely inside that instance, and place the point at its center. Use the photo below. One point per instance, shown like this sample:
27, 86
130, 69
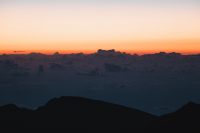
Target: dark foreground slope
184, 120
76, 114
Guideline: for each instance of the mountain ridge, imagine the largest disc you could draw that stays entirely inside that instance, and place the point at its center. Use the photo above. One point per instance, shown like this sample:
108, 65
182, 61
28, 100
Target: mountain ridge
76, 113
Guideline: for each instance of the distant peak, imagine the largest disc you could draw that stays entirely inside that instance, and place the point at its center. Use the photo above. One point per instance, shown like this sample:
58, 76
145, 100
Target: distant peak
108, 52
190, 106
9, 107
102, 50
66, 99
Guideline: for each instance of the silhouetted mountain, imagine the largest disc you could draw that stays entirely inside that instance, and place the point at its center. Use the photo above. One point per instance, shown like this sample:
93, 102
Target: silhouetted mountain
13, 118
190, 108
9, 108
85, 112
75, 114
184, 120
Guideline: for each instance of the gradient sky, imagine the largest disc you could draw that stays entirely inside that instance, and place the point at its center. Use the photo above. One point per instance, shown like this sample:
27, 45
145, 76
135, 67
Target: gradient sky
138, 25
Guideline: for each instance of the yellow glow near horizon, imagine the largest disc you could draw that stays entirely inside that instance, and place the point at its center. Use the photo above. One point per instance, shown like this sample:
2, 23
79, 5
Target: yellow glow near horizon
126, 28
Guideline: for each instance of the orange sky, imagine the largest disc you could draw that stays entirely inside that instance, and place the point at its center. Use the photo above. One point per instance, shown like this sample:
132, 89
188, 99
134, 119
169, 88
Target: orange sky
88, 28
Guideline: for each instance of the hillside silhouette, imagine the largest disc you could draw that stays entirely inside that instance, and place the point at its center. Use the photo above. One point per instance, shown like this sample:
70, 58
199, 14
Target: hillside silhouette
75, 114
186, 119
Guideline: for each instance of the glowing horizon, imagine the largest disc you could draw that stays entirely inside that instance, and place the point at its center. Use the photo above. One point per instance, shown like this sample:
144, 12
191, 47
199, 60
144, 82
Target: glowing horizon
78, 26
138, 52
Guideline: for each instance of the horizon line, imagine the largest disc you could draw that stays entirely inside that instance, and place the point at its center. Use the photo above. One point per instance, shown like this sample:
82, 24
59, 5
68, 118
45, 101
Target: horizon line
139, 52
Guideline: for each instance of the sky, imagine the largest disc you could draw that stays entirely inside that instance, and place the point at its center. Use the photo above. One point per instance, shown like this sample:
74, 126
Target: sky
82, 25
